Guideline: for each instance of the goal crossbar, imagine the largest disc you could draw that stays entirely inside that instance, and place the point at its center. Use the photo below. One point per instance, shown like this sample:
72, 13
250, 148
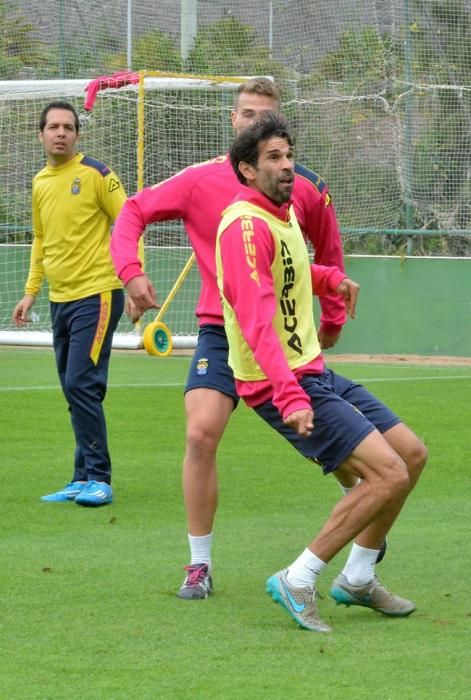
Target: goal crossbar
146, 130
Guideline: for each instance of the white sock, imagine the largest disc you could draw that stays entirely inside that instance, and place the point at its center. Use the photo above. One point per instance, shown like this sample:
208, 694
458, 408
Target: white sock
304, 571
347, 489
360, 566
200, 548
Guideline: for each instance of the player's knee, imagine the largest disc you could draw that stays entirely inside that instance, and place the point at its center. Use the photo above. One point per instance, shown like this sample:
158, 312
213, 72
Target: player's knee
401, 480
395, 477
79, 390
201, 440
416, 458
73, 387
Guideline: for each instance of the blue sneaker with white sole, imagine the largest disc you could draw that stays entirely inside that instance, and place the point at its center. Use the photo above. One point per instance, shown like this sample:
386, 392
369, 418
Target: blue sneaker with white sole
68, 493
95, 493
300, 603
372, 595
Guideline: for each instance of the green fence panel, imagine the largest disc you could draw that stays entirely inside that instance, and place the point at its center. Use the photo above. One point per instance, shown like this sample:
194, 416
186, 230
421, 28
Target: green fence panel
406, 305
410, 306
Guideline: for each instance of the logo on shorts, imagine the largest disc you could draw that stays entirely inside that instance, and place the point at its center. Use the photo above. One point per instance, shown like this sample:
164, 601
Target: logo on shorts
202, 366
316, 461
75, 189
357, 410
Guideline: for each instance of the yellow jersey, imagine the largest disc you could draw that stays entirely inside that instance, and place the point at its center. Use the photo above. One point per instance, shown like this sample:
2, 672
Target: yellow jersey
74, 206
293, 320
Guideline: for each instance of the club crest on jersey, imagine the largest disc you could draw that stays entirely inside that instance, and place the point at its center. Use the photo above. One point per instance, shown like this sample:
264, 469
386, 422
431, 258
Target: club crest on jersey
202, 366
76, 184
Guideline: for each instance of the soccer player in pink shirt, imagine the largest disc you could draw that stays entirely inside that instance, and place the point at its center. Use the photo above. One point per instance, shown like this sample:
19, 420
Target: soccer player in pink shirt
266, 283
198, 195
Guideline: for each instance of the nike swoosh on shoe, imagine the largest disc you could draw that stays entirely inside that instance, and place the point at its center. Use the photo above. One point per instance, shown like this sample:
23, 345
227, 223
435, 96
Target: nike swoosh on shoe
297, 607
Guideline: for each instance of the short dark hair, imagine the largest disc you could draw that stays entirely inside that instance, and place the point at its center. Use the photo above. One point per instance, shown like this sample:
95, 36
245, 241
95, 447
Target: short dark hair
58, 104
258, 86
245, 148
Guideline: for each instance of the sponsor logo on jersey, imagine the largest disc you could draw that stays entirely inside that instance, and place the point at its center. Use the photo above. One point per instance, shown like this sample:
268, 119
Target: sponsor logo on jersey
287, 304
114, 185
250, 249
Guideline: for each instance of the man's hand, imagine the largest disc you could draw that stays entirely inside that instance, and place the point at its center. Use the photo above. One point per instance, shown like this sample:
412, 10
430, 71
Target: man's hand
130, 309
301, 421
20, 313
327, 340
349, 290
142, 296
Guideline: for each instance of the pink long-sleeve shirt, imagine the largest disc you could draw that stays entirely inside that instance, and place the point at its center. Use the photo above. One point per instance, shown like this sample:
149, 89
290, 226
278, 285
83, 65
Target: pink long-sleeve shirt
255, 311
198, 195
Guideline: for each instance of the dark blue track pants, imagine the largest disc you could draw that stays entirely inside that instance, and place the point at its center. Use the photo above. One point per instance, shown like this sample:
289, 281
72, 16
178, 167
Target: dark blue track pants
82, 334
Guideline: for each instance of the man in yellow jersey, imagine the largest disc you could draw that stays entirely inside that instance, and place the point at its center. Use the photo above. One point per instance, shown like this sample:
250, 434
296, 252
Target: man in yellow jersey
75, 201
266, 284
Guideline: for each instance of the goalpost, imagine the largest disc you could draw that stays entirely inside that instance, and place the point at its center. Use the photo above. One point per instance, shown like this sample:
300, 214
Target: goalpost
146, 132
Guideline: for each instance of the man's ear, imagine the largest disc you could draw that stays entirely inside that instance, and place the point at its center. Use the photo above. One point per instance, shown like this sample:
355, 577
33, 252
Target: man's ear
248, 171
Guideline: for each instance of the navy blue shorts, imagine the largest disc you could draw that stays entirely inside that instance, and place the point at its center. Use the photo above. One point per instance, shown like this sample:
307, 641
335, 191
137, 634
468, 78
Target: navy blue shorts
344, 414
209, 368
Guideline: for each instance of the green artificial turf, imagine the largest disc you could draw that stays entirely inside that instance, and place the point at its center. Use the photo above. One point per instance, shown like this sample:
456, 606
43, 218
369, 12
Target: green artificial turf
88, 606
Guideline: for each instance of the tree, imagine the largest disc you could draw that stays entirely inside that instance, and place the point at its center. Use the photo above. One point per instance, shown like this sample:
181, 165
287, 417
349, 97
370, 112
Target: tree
229, 47
153, 51
413, 85
18, 45
441, 56
365, 61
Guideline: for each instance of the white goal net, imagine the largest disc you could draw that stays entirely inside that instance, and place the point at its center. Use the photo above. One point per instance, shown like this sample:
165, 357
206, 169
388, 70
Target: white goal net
183, 121
378, 94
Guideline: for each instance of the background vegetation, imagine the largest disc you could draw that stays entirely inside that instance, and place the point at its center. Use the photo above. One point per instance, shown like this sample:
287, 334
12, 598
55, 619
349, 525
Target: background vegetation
381, 109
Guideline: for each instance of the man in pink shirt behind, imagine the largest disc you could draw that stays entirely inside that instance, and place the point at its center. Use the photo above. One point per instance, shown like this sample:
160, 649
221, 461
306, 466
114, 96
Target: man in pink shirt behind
266, 284
198, 195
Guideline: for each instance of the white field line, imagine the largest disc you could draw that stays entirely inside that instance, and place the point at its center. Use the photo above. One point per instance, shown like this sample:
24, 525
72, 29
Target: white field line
54, 387
368, 380
365, 380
